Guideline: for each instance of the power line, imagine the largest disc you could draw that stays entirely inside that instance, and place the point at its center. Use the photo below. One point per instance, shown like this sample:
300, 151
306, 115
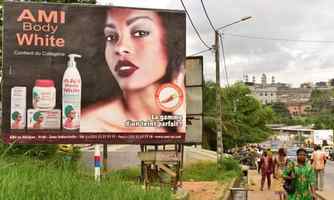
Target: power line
279, 39
207, 16
200, 52
224, 60
221, 40
192, 24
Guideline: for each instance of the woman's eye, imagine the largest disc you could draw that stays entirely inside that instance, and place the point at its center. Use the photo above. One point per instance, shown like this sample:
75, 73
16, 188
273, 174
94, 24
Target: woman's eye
111, 37
140, 33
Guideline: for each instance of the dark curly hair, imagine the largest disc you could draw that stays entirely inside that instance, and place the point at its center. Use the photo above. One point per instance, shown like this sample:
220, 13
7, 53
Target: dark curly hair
301, 150
174, 24
175, 42
281, 152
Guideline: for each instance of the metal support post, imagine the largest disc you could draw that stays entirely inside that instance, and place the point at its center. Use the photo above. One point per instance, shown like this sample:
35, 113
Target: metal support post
218, 104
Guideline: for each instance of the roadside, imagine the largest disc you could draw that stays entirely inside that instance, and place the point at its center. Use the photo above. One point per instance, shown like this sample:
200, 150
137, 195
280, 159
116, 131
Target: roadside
204, 190
254, 185
325, 195
328, 192
201, 179
255, 193
204, 181
125, 156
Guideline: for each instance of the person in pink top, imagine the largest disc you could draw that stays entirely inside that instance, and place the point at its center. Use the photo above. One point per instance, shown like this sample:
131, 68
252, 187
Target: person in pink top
266, 167
318, 161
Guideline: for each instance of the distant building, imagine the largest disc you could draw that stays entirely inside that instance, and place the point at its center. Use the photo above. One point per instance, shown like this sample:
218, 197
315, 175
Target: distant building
265, 94
293, 134
264, 79
246, 78
253, 79
306, 85
277, 92
286, 95
273, 80
331, 82
321, 84
298, 108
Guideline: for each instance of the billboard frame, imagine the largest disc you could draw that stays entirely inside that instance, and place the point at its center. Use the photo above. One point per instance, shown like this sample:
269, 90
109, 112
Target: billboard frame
189, 116
48, 136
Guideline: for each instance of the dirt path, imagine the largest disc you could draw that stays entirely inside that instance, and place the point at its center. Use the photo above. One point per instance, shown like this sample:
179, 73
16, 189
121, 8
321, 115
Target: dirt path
206, 190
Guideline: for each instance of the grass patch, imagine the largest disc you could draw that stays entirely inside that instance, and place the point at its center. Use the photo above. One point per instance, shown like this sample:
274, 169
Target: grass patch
23, 179
129, 174
208, 171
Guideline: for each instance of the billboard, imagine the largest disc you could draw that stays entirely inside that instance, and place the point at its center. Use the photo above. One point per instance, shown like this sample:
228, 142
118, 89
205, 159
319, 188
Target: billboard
93, 74
194, 87
323, 135
194, 71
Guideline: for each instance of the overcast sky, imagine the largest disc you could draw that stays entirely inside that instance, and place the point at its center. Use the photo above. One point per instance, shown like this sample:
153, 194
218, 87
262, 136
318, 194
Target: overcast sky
290, 62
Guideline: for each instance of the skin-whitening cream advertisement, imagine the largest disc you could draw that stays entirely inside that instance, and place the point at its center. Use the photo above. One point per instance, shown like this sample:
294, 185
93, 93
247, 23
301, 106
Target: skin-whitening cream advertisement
90, 74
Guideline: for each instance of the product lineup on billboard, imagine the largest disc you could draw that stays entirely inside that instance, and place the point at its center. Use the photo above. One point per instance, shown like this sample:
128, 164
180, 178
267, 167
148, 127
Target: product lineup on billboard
93, 74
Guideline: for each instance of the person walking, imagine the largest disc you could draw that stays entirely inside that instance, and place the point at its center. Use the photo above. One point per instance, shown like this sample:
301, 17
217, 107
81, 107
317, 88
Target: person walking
266, 167
280, 163
303, 178
318, 161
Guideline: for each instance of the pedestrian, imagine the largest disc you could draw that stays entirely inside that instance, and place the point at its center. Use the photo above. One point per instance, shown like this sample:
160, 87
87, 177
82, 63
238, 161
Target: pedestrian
318, 161
266, 166
280, 163
303, 178
258, 159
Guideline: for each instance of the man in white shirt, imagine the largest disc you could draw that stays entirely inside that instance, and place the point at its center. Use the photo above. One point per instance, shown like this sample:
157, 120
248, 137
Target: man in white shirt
318, 161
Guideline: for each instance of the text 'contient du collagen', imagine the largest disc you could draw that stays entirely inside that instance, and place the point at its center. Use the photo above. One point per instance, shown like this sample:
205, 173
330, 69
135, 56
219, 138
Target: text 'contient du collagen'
38, 28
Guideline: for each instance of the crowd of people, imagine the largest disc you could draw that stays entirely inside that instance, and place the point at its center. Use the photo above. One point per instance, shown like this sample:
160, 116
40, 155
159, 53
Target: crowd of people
296, 180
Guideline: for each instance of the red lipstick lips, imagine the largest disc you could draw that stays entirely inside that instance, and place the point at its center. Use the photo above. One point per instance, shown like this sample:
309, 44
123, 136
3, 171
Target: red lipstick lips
125, 68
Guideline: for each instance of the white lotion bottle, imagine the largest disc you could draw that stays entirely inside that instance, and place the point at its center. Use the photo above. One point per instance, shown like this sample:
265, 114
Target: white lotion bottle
71, 95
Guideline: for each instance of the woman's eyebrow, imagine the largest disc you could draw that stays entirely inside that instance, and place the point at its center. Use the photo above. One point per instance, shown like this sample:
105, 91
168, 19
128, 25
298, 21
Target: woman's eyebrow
110, 25
130, 21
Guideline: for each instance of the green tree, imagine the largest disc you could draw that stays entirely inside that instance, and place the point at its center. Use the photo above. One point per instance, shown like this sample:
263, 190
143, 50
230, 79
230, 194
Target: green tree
210, 120
243, 116
247, 114
280, 110
321, 100
324, 121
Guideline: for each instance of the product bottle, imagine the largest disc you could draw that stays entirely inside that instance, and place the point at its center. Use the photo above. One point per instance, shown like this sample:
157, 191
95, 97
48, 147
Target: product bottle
71, 95
18, 107
44, 94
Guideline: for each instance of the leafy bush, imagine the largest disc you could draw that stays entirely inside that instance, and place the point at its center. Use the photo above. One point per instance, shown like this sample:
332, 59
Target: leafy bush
65, 160
24, 178
244, 118
50, 153
208, 171
230, 164
34, 151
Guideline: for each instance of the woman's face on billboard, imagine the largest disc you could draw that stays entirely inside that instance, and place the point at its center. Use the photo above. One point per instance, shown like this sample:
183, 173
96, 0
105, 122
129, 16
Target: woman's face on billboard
134, 49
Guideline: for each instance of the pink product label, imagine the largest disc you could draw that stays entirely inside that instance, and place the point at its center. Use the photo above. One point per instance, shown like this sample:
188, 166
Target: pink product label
44, 97
72, 85
39, 119
71, 118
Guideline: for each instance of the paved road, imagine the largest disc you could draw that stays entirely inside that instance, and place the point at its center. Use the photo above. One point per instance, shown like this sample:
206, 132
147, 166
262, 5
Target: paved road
119, 156
328, 193
329, 176
124, 156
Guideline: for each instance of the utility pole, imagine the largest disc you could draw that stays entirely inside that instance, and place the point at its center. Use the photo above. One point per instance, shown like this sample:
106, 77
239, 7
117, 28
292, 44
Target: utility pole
220, 148
218, 104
